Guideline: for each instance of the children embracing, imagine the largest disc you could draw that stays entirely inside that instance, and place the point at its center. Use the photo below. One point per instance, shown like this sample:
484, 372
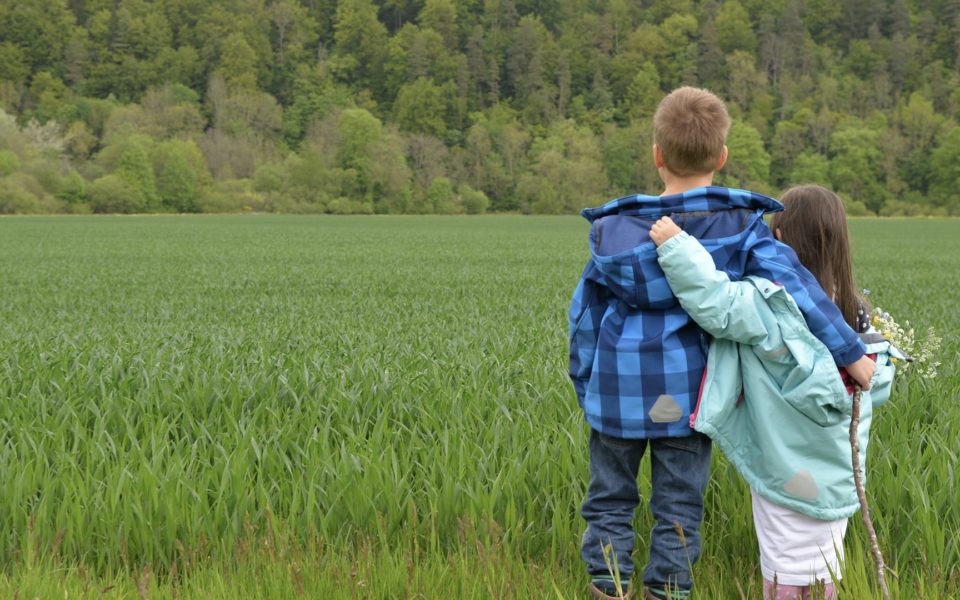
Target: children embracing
695, 323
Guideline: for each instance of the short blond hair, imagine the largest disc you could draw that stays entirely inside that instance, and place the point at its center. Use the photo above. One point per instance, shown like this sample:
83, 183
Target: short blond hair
690, 127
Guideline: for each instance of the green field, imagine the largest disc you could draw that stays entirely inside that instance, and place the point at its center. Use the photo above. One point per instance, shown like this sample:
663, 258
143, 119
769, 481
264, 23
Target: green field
273, 407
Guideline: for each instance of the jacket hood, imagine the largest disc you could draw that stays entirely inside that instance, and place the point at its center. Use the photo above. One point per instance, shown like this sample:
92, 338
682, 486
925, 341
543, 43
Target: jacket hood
710, 198
624, 258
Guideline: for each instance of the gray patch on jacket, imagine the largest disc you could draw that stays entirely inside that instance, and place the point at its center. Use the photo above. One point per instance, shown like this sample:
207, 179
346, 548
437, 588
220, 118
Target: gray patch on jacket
665, 410
802, 486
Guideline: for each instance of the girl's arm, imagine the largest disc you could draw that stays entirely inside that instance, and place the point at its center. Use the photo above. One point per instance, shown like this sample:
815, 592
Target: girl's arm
723, 308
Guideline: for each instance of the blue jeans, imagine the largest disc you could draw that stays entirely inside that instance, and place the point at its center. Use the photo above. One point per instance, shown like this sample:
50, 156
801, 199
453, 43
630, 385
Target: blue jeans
679, 470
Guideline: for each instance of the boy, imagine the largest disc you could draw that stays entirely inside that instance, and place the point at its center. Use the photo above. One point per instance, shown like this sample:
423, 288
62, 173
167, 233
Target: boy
637, 359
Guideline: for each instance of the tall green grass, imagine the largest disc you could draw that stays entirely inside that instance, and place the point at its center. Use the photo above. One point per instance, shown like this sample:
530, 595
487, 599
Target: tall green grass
390, 394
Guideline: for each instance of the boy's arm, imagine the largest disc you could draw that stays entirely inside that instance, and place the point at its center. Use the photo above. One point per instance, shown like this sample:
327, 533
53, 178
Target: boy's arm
777, 262
723, 308
586, 312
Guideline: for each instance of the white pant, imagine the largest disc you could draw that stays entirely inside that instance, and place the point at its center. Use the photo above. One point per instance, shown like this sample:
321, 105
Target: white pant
795, 548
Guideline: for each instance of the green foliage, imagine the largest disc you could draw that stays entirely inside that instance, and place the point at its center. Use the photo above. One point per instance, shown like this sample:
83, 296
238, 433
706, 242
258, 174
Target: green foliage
249, 83
238, 63
315, 96
9, 163
856, 164
474, 201
181, 175
809, 168
19, 195
733, 27
71, 188
748, 164
421, 107
567, 171
114, 194
13, 67
136, 171
361, 43
644, 93
441, 197
945, 185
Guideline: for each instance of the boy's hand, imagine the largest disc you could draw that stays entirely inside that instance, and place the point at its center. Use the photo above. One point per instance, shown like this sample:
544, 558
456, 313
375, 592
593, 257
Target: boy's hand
862, 371
663, 230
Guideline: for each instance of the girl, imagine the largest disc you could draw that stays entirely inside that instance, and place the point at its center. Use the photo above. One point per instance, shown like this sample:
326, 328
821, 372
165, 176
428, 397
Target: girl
773, 398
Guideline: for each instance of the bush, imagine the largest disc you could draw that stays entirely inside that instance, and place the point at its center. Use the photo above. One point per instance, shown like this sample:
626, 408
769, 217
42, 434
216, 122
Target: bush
270, 178
181, 175
474, 201
345, 206
71, 188
231, 196
9, 163
854, 208
441, 197
16, 200
111, 194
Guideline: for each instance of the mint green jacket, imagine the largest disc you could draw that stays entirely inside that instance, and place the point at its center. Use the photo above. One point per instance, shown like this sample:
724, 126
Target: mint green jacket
772, 397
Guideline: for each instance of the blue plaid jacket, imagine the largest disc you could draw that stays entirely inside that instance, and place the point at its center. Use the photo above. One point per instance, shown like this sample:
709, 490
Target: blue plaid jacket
636, 358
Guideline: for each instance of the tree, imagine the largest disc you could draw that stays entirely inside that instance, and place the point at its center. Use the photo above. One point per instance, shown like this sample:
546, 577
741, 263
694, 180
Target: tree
9, 163
292, 26
40, 29
372, 158
441, 197
361, 43
856, 164
238, 63
809, 167
474, 201
181, 175
13, 65
748, 164
136, 171
711, 63
567, 171
644, 93
113, 194
733, 28
744, 80
315, 95
678, 65
945, 187
441, 16
422, 106
789, 141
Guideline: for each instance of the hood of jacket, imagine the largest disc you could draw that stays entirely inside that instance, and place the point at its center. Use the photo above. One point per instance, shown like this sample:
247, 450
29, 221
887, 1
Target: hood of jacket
624, 258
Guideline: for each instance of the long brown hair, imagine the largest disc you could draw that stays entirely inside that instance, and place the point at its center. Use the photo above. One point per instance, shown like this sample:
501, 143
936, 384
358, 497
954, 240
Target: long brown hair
814, 224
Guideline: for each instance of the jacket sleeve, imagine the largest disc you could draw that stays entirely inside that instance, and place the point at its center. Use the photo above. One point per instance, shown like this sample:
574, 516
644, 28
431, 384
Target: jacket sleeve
777, 262
725, 309
882, 383
586, 312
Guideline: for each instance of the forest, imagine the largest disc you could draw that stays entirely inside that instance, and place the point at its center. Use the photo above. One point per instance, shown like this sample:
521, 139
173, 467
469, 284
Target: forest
465, 106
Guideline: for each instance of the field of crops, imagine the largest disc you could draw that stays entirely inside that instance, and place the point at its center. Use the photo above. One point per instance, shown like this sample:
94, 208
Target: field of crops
273, 407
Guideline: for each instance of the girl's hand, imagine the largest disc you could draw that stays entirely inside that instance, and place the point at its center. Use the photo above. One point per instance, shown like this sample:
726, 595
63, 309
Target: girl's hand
862, 371
663, 230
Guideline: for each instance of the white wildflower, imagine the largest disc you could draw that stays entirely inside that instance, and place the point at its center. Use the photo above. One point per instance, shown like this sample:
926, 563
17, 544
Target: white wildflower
923, 351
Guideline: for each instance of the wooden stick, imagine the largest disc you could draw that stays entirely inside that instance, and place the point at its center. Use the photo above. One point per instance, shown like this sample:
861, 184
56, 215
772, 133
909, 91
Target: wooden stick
862, 494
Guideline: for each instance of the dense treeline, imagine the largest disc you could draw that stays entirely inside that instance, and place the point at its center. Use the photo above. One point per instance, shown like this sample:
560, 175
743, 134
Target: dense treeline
446, 106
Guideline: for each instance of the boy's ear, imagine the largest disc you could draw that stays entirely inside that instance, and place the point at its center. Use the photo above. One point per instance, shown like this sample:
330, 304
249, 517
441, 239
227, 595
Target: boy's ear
723, 158
658, 157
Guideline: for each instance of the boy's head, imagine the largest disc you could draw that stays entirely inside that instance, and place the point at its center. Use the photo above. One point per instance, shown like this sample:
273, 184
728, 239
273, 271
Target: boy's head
690, 130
